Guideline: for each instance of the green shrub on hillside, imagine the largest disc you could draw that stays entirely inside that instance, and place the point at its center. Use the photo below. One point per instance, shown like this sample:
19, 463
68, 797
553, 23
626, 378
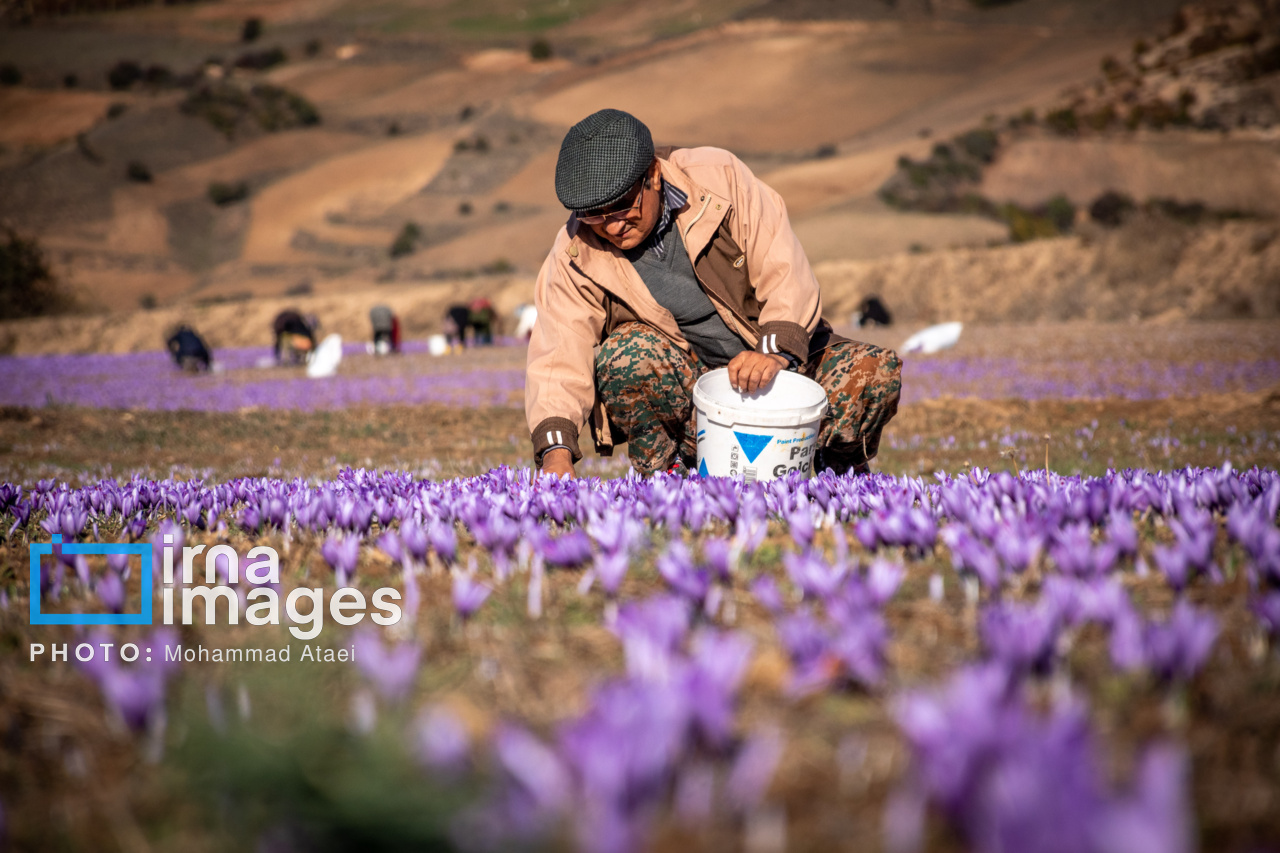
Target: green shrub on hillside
157, 76
223, 193
981, 144
1061, 212
1101, 118
124, 74
282, 109
1025, 225
138, 171
251, 30
941, 183
9, 74
261, 60
1063, 121
406, 242
1111, 208
27, 285
226, 105
540, 50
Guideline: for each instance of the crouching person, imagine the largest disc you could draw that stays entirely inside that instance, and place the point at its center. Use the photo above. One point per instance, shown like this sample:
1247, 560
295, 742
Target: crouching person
674, 262
188, 350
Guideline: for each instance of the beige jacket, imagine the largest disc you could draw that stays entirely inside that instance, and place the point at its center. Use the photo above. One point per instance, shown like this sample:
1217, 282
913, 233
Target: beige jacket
745, 255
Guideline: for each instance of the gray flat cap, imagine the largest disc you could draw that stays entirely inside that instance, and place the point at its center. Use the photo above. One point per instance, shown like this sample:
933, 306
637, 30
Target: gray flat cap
601, 158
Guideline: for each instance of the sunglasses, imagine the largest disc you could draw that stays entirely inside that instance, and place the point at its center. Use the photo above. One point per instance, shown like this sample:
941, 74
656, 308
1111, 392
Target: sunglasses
621, 213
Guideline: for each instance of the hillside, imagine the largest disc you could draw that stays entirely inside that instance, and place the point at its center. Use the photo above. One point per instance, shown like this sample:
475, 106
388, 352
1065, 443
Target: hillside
447, 121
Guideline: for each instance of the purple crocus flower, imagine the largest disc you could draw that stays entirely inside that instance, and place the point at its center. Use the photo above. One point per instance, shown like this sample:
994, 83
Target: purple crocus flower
754, 767
468, 594
119, 564
444, 541
569, 551
1267, 609
1174, 565
1178, 648
767, 593
883, 580
968, 554
611, 567
110, 590
811, 573
414, 540
441, 739
1122, 534
389, 543
536, 769
81, 566
650, 632
1021, 637
1171, 650
860, 645
677, 569
1072, 550
342, 553
800, 521
135, 692
390, 669
719, 661
814, 665
718, 555
1156, 816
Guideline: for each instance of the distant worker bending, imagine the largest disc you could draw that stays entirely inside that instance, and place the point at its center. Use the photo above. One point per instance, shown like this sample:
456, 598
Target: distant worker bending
456, 322
483, 319
674, 262
295, 336
188, 350
386, 330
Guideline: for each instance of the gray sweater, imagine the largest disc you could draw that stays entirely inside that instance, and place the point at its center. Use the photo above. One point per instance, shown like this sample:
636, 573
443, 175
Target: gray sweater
668, 273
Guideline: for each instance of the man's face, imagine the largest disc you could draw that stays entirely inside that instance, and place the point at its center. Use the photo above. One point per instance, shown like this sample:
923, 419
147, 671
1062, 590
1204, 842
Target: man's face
641, 214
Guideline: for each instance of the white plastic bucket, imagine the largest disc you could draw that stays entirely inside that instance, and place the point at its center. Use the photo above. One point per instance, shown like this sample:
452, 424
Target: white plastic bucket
761, 436
326, 358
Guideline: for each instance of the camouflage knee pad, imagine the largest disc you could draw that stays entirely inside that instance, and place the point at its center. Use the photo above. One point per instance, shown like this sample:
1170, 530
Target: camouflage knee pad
646, 384
863, 383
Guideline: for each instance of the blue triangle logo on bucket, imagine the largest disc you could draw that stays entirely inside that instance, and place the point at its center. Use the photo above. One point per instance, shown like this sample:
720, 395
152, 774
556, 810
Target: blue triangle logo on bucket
702, 469
752, 444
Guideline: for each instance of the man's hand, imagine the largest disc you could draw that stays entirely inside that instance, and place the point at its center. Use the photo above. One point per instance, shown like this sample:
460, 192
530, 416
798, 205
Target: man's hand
559, 462
749, 371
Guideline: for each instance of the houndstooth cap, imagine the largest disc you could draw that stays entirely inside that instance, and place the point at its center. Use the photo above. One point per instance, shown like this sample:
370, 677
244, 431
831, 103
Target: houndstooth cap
601, 158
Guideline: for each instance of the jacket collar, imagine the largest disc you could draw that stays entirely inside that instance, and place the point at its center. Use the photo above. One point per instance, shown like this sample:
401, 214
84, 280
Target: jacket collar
698, 222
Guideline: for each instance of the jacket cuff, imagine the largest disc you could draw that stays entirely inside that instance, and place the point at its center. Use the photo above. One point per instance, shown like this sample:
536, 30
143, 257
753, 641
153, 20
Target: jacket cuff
555, 431
783, 338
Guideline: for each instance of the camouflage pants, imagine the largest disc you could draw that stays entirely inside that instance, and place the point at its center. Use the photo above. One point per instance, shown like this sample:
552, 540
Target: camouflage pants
646, 384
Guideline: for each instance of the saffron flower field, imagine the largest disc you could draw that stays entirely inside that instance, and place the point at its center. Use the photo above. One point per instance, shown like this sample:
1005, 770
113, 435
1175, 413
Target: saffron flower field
1049, 621
978, 660
148, 381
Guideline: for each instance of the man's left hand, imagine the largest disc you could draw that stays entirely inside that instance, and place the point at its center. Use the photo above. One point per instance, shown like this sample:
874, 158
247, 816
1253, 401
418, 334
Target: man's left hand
750, 371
